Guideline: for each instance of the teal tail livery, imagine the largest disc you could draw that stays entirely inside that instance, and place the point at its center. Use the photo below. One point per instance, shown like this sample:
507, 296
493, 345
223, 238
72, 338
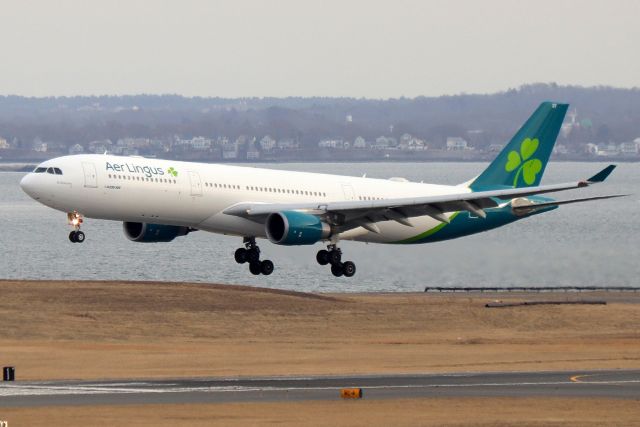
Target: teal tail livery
158, 200
524, 159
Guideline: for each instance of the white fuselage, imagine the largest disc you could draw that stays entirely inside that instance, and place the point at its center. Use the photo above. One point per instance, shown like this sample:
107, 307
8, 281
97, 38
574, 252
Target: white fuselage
137, 189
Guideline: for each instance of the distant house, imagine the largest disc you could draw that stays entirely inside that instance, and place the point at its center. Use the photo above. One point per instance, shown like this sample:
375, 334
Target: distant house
230, 151
76, 149
607, 150
40, 147
267, 143
200, 143
253, 153
495, 148
408, 142
359, 142
560, 149
591, 149
4, 144
288, 144
628, 148
331, 143
385, 143
455, 143
100, 146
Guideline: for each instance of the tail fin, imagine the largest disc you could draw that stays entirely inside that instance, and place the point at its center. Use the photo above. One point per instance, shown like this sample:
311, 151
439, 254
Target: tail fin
522, 162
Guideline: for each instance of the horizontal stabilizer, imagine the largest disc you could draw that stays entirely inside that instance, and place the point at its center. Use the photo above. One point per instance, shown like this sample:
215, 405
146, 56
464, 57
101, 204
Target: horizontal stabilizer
527, 208
603, 174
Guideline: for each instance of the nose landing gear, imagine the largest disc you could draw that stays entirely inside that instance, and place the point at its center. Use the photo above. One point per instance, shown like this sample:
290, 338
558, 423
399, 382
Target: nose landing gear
75, 220
333, 256
251, 254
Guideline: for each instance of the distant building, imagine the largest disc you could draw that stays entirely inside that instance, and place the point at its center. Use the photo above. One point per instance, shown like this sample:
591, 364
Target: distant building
628, 149
4, 144
288, 144
385, 143
230, 151
495, 148
607, 150
359, 142
76, 149
408, 142
267, 143
455, 143
40, 147
591, 149
331, 143
560, 149
567, 127
100, 146
200, 143
253, 153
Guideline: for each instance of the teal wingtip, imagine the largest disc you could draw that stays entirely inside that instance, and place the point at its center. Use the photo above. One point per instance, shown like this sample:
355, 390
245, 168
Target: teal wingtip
603, 174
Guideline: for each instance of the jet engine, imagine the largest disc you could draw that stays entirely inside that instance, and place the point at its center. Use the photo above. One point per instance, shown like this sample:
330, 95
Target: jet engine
151, 233
295, 228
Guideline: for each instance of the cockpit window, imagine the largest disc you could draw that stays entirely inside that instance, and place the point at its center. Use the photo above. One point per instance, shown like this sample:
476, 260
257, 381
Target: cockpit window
50, 170
40, 170
57, 171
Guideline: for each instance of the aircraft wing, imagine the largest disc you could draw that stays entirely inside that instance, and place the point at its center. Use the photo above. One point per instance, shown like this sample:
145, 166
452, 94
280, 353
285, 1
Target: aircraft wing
365, 213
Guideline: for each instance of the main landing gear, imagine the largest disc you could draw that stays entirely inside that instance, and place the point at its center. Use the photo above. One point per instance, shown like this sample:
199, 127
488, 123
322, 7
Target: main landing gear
75, 220
251, 254
333, 256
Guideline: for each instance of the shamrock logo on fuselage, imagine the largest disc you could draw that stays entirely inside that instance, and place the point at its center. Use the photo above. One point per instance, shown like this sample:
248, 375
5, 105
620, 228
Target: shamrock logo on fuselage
529, 168
172, 171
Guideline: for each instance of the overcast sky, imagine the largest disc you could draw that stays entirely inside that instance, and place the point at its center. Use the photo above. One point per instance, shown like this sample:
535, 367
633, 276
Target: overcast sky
373, 49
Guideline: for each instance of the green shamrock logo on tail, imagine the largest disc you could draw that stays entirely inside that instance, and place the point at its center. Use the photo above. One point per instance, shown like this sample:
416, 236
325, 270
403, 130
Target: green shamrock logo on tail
529, 168
171, 171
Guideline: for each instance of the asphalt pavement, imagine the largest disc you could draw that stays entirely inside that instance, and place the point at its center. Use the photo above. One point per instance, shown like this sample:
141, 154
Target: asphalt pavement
610, 384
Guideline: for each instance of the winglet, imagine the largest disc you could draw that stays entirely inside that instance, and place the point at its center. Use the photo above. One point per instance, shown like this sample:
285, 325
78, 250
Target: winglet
602, 175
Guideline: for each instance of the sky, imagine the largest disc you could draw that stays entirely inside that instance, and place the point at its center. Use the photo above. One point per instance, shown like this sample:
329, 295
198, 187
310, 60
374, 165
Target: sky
371, 49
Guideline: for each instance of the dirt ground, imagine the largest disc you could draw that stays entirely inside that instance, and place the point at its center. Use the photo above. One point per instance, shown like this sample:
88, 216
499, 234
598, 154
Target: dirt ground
419, 412
89, 330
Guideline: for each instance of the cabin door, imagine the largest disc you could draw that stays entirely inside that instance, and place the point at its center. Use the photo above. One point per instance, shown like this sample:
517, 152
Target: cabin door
347, 189
90, 175
196, 185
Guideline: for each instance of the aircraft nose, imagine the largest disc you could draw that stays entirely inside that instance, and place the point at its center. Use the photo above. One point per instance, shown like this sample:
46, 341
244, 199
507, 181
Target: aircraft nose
27, 184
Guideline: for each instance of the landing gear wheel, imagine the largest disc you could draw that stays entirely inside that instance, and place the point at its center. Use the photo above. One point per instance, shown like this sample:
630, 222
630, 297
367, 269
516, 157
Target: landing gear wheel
72, 237
79, 236
322, 257
255, 268
241, 255
336, 270
253, 255
266, 267
335, 256
348, 269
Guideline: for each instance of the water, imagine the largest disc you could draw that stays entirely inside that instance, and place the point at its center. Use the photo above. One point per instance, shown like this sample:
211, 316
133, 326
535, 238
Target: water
586, 244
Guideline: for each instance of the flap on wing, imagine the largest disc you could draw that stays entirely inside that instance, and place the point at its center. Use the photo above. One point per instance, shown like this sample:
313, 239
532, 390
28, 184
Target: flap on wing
534, 206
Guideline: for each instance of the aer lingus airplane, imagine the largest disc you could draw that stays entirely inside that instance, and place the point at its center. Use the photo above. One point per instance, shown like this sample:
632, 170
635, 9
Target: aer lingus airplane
159, 200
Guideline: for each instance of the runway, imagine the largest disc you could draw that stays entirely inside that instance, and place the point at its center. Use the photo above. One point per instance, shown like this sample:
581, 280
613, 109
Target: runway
612, 384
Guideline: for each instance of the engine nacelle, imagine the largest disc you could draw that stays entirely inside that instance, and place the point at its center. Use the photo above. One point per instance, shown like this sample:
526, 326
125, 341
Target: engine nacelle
295, 228
151, 233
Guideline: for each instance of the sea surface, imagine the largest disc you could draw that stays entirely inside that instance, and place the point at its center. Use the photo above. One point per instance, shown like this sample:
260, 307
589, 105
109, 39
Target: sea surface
585, 244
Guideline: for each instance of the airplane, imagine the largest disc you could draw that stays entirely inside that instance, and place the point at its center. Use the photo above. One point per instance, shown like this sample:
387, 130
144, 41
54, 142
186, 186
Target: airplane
159, 200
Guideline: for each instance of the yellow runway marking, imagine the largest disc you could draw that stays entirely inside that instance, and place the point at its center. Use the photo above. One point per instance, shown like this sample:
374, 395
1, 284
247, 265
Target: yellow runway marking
576, 378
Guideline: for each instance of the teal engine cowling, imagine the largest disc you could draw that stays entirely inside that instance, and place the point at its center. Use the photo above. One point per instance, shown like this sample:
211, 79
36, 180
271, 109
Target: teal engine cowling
152, 233
296, 228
